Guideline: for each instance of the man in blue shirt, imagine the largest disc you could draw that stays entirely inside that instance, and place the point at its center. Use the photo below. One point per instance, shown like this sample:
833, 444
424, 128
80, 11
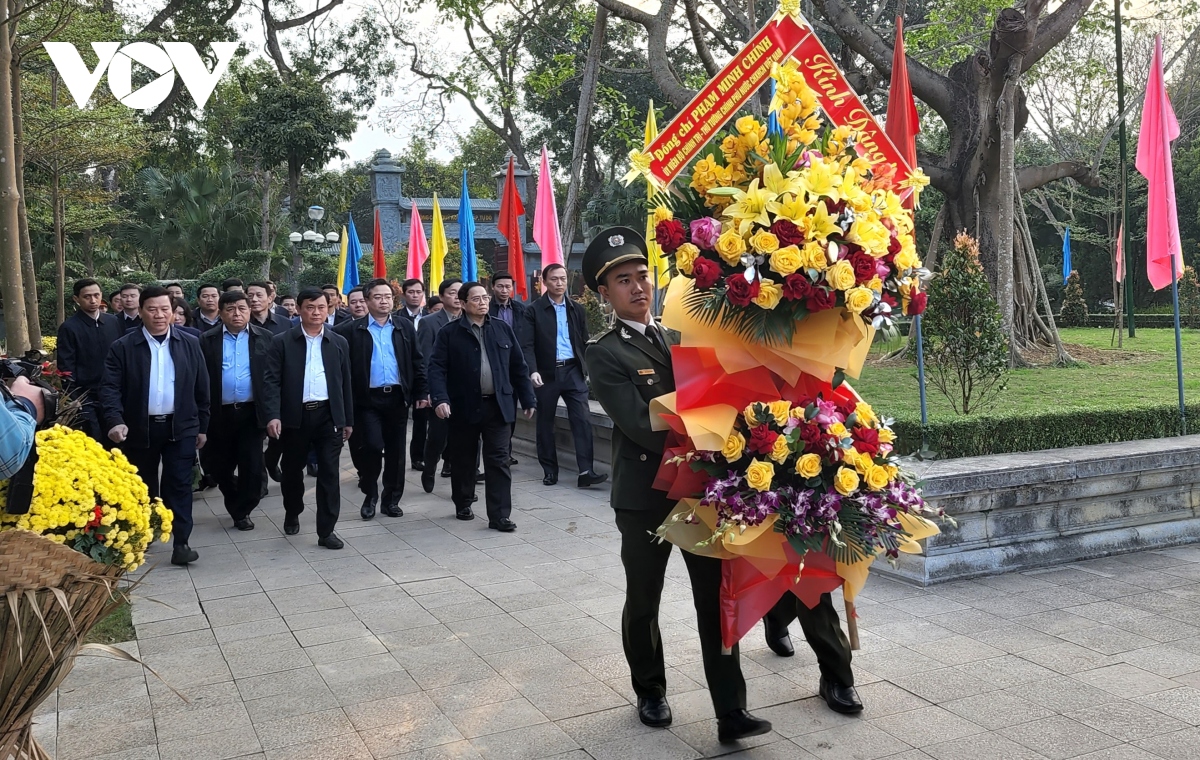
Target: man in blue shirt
21, 411
235, 355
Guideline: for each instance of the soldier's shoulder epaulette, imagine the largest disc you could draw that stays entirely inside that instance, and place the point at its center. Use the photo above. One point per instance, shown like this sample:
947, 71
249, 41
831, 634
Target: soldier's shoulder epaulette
596, 338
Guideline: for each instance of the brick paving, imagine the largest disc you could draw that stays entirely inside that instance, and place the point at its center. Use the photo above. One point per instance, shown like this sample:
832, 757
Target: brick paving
431, 638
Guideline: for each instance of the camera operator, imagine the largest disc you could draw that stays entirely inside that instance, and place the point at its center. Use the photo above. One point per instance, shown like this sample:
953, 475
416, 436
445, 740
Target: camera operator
22, 410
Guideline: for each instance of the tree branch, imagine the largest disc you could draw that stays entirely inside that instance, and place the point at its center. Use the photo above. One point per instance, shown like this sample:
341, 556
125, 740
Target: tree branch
693, 17
301, 20
657, 27
629, 13
1054, 28
1033, 177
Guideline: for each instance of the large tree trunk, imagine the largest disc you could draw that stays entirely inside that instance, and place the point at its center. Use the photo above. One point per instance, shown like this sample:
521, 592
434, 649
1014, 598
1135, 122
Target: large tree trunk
297, 214
587, 97
15, 325
28, 273
265, 224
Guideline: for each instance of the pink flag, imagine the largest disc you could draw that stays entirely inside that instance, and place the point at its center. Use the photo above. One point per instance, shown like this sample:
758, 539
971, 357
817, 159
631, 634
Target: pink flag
1120, 254
418, 249
1159, 128
545, 218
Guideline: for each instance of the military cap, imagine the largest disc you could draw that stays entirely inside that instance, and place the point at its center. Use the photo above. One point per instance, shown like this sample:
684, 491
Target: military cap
613, 246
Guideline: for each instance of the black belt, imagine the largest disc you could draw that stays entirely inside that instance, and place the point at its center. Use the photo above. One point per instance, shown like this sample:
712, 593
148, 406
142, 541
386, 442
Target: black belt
161, 419
388, 389
488, 395
566, 363
238, 405
310, 405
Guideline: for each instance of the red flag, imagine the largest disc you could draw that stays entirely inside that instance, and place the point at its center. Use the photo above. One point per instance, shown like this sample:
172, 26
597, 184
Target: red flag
377, 250
1120, 254
1164, 251
510, 209
902, 124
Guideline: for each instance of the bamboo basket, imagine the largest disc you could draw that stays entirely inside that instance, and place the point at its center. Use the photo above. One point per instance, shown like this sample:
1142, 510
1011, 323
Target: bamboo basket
52, 597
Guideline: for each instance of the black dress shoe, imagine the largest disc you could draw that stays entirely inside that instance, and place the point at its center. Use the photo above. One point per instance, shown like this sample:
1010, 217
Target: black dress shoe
244, 524
504, 525
654, 711
587, 479
311, 469
474, 498
840, 698
291, 525
330, 542
740, 724
368, 506
478, 477
512, 460
391, 505
274, 472
464, 514
550, 480
445, 471
183, 554
779, 641
427, 480
418, 465
262, 493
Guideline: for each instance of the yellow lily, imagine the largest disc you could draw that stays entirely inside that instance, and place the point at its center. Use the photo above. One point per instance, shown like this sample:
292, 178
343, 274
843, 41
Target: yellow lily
820, 180
791, 207
821, 225
749, 207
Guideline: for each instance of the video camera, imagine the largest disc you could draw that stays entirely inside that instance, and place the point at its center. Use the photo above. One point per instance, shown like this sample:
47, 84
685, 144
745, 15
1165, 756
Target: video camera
30, 367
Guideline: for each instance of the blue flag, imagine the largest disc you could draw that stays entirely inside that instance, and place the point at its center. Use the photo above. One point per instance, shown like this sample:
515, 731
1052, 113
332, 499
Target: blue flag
466, 234
353, 254
1066, 254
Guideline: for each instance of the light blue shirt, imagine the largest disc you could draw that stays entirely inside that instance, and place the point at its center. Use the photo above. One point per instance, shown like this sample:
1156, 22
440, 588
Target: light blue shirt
562, 348
162, 376
384, 369
17, 428
235, 368
315, 388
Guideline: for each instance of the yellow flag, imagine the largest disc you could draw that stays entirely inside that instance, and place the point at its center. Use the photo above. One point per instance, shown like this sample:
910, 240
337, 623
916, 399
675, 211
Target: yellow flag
658, 262
437, 256
342, 263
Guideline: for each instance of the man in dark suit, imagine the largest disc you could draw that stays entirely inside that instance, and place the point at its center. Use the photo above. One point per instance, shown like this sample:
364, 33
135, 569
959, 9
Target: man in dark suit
155, 398
504, 306
83, 343
554, 335
630, 365
258, 296
412, 292
337, 313
235, 356
387, 374
476, 376
128, 313
427, 331
276, 302
309, 404
208, 311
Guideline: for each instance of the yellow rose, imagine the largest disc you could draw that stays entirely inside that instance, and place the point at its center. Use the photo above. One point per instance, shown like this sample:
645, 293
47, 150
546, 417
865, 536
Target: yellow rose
866, 415
840, 276
685, 257
764, 242
815, 256
749, 415
735, 444
747, 125
662, 214
838, 430
862, 462
759, 474
786, 260
769, 294
731, 246
859, 299
886, 435
907, 259
780, 411
780, 450
845, 481
808, 466
877, 477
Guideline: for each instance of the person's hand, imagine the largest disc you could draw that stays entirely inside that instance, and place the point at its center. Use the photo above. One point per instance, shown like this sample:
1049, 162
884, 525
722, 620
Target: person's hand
201, 439
528, 413
536, 377
442, 411
274, 428
25, 389
118, 434
423, 403
346, 432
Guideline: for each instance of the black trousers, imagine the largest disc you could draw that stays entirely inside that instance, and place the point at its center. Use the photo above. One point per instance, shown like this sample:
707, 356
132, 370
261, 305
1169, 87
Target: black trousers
823, 631
175, 484
493, 435
645, 560
377, 444
236, 446
317, 432
570, 386
89, 418
436, 436
420, 423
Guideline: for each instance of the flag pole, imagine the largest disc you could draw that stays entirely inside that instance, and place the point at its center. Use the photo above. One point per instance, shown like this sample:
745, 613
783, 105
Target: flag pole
1124, 172
1175, 273
921, 377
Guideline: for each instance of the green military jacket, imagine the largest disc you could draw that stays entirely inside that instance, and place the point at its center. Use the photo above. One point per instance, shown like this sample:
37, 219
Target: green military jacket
626, 372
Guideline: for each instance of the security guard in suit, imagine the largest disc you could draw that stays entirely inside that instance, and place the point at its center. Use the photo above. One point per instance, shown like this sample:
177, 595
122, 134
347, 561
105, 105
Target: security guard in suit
629, 365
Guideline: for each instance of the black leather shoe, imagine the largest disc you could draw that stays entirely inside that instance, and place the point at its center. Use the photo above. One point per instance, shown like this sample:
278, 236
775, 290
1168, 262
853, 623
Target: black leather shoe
465, 514
840, 698
478, 477
244, 524
474, 498
512, 460
588, 479
427, 480
391, 504
418, 465
183, 554
739, 725
368, 506
311, 469
504, 526
550, 480
654, 711
274, 473
291, 525
445, 471
330, 542
779, 641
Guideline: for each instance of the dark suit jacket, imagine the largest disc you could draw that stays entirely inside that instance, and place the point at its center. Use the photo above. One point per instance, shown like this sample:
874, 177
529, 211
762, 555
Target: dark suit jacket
408, 356
627, 371
427, 331
403, 313
518, 312
125, 391
200, 324
212, 347
274, 323
454, 371
540, 335
281, 312
192, 331
126, 323
83, 344
283, 391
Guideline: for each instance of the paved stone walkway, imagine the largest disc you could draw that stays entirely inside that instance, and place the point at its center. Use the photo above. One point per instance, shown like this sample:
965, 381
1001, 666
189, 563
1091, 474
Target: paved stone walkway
430, 638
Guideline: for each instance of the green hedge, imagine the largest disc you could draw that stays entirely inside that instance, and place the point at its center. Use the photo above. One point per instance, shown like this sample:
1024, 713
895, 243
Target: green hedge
998, 434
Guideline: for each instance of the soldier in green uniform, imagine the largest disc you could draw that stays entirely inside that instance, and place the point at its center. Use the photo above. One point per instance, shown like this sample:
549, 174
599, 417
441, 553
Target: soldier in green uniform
629, 365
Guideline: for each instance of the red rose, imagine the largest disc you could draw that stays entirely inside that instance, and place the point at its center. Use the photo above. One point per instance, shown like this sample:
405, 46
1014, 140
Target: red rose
864, 267
796, 287
706, 272
846, 405
739, 291
810, 433
893, 245
762, 439
836, 208
917, 304
889, 299
787, 232
670, 234
820, 299
866, 440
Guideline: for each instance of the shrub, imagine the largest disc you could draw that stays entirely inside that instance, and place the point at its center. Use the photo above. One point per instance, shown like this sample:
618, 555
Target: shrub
1189, 298
597, 321
245, 265
1074, 311
966, 353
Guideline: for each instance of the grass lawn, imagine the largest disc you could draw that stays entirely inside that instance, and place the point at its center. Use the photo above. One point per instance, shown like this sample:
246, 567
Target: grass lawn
1142, 372
115, 628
